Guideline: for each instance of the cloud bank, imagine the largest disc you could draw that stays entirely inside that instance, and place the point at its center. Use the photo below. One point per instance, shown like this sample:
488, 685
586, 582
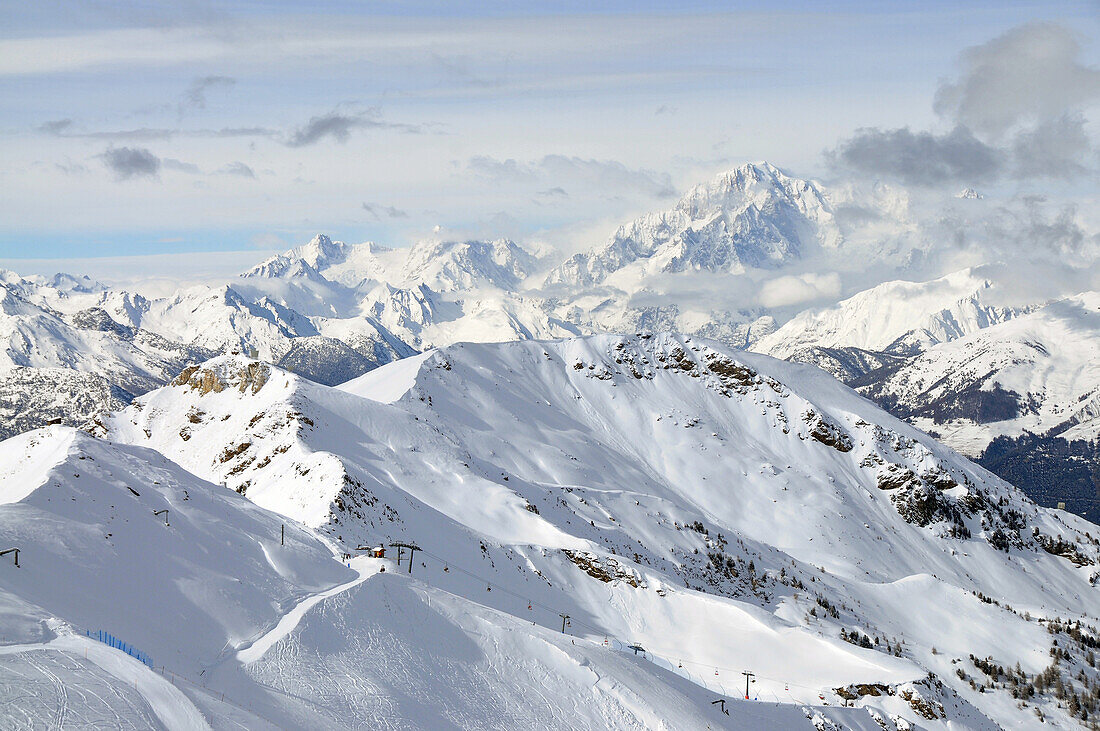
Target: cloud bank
1017, 111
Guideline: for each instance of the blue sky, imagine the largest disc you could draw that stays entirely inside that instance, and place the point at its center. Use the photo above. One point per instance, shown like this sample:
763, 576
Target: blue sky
144, 128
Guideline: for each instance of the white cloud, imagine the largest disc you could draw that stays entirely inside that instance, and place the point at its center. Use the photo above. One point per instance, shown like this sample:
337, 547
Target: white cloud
797, 289
1017, 109
1032, 73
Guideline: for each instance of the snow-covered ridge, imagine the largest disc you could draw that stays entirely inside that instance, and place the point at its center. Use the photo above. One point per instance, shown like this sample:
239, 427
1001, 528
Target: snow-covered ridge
654, 461
899, 317
240, 615
331, 311
1038, 371
438, 265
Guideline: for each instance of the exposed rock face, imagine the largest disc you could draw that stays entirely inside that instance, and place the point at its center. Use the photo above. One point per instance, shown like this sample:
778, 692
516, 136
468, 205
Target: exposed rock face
97, 318
244, 375
34, 397
325, 360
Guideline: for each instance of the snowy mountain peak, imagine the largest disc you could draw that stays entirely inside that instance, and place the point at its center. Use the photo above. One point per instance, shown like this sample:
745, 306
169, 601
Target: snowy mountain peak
283, 266
1037, 371
760, 176
321, 252
754, 216
970, 194
71, 283
225, 372
461, 265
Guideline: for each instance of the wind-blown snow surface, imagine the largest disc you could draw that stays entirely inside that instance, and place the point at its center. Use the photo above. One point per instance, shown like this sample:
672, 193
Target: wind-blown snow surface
245, 631
94, 556
726, 511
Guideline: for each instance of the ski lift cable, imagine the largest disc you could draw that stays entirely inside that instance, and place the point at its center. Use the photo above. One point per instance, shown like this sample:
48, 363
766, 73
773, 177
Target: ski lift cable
506, 590
600, 630
659, 653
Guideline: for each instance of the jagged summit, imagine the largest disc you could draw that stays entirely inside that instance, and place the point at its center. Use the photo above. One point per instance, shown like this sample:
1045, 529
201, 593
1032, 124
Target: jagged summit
969, 194
321, 251
450, 265
752, 216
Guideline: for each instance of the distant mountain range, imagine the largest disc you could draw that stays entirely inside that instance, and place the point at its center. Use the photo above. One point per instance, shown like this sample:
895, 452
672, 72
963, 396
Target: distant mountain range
614, 499
948, 354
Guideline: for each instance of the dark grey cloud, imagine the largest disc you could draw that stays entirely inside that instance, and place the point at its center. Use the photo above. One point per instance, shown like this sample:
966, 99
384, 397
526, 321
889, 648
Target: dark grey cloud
1017, 111
238, 168
131, 162
1053, 149
378, 210
919, 158
1058, 231
555, 192
1031, 74
136, 162
194, 97
1027, 227
56, 126
338, 126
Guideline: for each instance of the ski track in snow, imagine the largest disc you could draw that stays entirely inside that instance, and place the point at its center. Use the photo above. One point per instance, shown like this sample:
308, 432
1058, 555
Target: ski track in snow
171, 706
366, 567
378, 652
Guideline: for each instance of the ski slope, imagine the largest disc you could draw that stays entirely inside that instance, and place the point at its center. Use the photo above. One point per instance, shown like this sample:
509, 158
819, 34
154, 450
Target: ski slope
295, 639
649, 486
